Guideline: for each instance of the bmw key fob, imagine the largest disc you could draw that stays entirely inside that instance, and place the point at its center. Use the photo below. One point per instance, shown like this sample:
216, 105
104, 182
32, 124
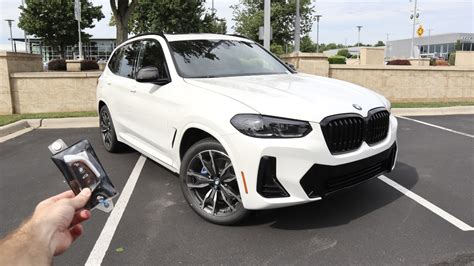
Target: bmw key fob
81, 168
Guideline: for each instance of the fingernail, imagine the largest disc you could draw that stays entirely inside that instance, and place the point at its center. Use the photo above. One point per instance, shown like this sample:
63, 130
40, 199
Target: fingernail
87, 191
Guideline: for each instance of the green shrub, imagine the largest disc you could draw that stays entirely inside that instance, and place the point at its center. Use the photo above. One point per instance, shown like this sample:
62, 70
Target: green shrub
337, 59
344, 52
452, 58
57, 65
432, 62
399, 62
89, 65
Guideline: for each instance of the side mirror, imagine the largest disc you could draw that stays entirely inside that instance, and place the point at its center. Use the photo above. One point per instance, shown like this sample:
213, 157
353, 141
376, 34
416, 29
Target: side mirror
148, 74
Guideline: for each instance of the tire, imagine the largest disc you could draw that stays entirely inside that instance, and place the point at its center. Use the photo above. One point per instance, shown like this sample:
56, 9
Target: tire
107, 131
212, 194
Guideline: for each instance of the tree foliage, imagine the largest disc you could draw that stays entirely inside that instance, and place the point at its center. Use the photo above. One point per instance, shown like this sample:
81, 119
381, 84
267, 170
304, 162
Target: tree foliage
379, 43
122, 11
307, 45
248, 16
344, 52
175, 16
54, 22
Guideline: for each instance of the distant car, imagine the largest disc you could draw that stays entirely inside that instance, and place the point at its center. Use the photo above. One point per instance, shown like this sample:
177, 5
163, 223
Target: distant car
243, 129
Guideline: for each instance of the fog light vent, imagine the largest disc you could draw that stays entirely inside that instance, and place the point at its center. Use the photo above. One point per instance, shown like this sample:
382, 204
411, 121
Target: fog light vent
267, 182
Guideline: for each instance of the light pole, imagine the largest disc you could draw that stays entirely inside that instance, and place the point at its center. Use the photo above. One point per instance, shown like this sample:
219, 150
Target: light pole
429, 35
24, 32
9, 21
317, 32
266, 24
415, 16
358, 40
387, 47
297, 27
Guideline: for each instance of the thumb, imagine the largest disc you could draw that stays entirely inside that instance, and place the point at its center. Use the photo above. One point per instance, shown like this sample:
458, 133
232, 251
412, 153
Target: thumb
81, 199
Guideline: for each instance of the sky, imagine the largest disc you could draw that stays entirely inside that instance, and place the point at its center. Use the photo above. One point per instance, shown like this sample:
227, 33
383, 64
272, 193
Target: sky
338, 22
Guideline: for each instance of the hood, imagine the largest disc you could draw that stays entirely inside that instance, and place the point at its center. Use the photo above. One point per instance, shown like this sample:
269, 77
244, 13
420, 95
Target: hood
296, 96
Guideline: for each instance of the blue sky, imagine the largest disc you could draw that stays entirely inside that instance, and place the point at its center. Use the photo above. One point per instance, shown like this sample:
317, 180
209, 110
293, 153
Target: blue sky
337, 24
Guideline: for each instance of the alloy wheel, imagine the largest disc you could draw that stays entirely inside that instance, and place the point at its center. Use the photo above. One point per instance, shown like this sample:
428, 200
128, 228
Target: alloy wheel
211, 181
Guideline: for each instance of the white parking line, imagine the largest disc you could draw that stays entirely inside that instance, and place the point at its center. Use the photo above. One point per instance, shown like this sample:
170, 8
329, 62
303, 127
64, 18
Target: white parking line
102, 244
430, 206
436, 126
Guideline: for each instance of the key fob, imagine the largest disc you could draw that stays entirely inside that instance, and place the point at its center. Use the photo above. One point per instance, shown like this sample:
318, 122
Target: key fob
81, 168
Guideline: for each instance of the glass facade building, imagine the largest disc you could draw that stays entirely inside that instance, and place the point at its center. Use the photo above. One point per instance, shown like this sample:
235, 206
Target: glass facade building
95, 49
434, 46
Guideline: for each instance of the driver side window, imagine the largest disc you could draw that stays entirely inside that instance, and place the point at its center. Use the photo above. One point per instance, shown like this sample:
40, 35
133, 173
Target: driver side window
151, 54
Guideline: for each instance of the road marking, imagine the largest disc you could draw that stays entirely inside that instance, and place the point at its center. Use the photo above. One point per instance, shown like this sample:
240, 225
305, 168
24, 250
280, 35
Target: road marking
102, 244
430, 206
436, 126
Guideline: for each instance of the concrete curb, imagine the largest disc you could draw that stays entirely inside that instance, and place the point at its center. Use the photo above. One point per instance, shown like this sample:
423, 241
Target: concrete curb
20, 127
453, 110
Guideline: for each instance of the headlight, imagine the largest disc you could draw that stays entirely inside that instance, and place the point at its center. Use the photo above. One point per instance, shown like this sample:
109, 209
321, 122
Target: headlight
261, 126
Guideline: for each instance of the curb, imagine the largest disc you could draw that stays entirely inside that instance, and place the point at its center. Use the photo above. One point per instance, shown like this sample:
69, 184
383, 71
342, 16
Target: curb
20, 127
453, 110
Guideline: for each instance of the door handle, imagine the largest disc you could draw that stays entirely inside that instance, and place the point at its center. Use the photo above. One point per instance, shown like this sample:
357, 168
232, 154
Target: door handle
133, 90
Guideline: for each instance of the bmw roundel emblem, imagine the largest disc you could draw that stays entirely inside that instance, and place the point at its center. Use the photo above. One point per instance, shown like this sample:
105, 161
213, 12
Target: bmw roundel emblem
356, 106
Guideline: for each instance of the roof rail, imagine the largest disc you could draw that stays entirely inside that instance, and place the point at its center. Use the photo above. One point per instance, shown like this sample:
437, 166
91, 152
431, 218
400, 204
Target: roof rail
162, 34
238, 35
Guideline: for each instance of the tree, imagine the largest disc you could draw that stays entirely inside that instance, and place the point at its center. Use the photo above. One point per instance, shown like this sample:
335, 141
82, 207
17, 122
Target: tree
248, 16
379, 43
122, 10
307, 45
344, 52
54, 21
178, 16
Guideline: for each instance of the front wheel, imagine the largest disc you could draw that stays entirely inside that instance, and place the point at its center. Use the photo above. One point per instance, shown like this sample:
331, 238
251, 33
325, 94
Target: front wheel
209, 183
107, 130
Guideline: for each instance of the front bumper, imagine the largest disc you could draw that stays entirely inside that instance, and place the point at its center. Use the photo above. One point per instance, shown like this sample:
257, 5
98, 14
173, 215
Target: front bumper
305, 167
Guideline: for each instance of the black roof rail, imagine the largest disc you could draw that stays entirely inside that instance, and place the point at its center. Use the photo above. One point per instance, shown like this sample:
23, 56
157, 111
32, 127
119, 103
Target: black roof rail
161, 34
238, 35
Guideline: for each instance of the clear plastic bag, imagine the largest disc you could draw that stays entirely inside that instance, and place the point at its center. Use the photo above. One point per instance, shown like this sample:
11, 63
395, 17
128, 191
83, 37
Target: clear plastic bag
81, 167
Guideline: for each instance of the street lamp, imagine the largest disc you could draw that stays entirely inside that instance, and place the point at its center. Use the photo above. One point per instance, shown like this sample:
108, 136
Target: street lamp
414, 16
297, 27
9, 21
358, 39
317, 32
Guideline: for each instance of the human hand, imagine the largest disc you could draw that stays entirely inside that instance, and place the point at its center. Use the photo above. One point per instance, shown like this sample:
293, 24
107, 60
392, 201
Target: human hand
56, 222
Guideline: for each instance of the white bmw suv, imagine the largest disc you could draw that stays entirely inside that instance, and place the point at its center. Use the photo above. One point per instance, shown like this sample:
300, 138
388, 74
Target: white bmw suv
243, 129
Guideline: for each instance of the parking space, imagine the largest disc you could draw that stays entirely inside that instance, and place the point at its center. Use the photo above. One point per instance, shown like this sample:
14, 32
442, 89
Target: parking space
372, 223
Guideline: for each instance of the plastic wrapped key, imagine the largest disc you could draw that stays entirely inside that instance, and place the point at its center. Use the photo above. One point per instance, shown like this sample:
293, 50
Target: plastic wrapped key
81, 168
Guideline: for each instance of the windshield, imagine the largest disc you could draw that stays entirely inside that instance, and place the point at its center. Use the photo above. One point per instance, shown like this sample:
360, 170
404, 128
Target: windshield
223, 58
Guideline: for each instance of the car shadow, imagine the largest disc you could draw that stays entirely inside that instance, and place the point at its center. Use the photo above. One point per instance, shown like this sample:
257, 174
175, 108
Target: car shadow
338, 208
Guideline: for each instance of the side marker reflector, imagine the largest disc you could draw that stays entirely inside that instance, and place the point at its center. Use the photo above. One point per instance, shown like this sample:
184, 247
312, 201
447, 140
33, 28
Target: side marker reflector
245, 182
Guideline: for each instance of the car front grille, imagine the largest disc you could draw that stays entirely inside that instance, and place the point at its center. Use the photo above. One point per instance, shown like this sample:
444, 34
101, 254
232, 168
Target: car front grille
345, 132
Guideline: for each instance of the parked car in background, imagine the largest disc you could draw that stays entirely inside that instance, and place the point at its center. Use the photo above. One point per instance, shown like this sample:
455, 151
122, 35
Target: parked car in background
243, 129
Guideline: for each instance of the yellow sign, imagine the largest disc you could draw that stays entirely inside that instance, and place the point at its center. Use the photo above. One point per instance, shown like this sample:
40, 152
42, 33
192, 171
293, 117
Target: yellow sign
420, 31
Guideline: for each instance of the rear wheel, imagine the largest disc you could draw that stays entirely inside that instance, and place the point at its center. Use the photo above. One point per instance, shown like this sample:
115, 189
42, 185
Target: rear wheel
209, 183
107, 130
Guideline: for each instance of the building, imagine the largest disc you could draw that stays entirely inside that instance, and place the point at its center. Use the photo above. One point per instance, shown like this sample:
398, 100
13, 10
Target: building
434, 46
95, 49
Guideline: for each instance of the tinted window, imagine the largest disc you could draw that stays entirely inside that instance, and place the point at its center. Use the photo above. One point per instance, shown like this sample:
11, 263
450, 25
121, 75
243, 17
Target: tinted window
152, 55
123, 61
220, 58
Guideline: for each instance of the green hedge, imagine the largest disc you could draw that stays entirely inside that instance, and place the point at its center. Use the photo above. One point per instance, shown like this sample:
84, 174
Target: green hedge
337, 59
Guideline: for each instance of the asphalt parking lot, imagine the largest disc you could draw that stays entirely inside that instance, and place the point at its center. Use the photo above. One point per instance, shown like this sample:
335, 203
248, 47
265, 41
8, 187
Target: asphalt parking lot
370, 224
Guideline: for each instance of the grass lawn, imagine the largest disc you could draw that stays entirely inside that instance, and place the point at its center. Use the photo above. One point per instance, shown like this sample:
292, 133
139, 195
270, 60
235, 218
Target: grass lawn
7, 119
430, 105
